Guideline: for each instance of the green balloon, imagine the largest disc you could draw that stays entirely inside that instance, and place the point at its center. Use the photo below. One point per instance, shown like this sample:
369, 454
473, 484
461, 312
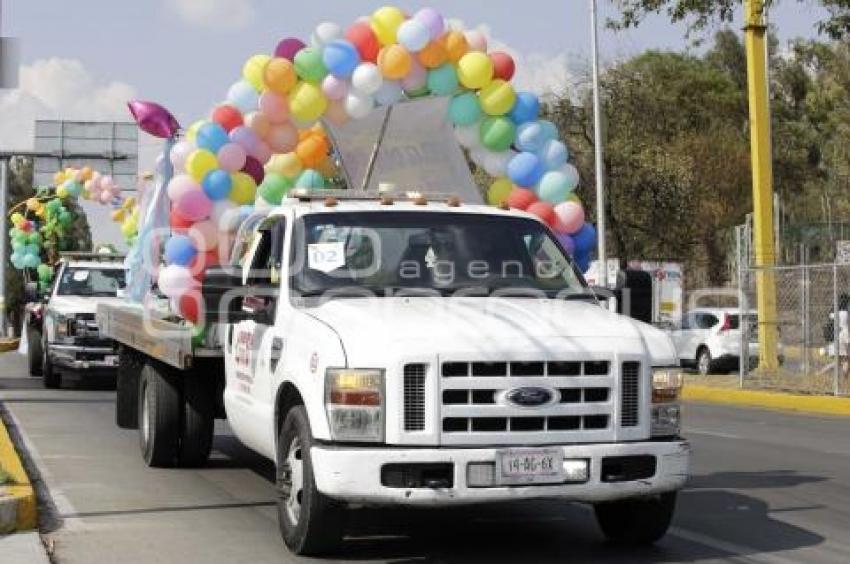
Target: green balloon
309, 65
45, 273
497, 133
35, 238
65, 218
199, 335
54, 205
21, 238
442, 81
274, 187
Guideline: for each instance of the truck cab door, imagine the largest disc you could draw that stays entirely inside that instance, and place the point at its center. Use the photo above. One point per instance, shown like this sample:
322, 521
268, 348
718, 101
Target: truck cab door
255, 345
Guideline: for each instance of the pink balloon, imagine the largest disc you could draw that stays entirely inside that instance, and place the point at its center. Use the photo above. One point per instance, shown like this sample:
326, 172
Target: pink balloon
335, 88
282, 138
258, 122
181, 184
569, 217
153, 118
246, 138
107, 183
336, 113
205, 235
105, 197
193, 205
263, 152
180, 152
231, 157
275, 107
416, 78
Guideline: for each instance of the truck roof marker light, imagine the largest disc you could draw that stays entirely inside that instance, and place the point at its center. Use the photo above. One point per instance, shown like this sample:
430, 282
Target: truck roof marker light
386, 200
420, 200
453, 202
331, 202
504, 206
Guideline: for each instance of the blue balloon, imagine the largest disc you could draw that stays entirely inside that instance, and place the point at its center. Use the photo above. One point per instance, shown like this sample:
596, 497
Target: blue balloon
554, 154
442, 81
550, 130
582, 261
465, 109
554, 187
31, 261
530, 137
212, 137
180, 250
526, 108
340, 58
32, 249
217, 184
585, 239
310, 179
17, 260
525, 170
243, 96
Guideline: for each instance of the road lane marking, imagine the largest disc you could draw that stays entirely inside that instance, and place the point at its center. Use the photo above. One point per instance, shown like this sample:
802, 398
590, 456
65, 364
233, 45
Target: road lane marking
739, 552
697, 431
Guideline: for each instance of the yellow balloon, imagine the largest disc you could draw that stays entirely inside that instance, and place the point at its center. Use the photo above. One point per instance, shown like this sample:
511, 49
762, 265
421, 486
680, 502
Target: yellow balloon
118, 215
327, 168
475, 70
192, 132
129, 203
499, 191
129, 228
306, 101
33, 204
287, 164
497, 98
244, 188
86, 173
62, 192
253, 69
200, 162
385, 23
59, 178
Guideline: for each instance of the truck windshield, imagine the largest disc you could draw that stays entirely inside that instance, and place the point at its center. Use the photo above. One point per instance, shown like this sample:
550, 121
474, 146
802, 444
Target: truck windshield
451, 253
100, 282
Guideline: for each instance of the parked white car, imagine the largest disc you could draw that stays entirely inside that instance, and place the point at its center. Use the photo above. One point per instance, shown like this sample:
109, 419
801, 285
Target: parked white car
709, 339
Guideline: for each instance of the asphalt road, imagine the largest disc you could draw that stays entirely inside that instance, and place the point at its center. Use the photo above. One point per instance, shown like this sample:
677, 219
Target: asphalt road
766, 487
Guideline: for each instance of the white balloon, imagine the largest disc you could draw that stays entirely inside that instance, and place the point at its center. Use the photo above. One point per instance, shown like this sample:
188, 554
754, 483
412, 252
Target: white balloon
572, 174
224, 214
175, 280
324, 33
367, 78
477, 40
469, 135
358, 105
496, 164
389, 93
413, 35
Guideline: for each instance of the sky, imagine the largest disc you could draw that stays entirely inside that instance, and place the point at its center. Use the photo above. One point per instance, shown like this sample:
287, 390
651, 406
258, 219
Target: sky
83, 59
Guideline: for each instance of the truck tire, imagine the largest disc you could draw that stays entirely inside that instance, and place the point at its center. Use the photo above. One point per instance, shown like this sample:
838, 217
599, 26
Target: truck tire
34, 351
310, 523
159, 415
198, 422
640, 521
127, 389
51, 377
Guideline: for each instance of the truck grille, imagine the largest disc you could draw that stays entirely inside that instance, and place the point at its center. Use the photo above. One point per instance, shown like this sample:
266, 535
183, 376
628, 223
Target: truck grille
630, 394
475, 405
414, 397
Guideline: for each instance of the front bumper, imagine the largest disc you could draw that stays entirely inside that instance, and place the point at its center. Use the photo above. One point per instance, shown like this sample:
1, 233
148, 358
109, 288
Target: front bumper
77, 357
354, 474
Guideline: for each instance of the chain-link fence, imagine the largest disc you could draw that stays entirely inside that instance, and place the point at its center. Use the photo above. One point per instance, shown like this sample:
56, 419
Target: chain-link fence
805, 333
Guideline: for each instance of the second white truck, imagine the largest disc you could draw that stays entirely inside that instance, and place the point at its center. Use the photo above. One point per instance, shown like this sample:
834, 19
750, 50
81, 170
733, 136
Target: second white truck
389, 351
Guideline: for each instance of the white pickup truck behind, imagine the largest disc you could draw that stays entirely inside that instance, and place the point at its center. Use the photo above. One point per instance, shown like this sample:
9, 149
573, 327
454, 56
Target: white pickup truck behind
398, 352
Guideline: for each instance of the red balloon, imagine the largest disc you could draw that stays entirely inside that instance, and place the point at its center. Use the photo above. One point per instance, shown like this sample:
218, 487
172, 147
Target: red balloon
178, 222
543, 210
254, 169
191, 306
364, 40
503, 65
227, 116
521, 198
201, 262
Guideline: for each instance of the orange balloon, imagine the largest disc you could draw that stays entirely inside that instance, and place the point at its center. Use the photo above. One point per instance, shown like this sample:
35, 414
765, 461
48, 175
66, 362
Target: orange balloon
394, 62
456, 45
433, 55
312, 150
259, 123
279, 75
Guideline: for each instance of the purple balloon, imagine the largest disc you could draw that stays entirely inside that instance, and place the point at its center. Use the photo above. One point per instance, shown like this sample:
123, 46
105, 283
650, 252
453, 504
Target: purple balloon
254, 168
288, 47
246, 138
432, 20
153, 118
567, 242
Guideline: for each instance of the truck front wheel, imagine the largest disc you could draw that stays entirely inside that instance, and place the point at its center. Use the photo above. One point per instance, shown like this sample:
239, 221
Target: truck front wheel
636, 521
310, 523
51, 377
159, 416
34, 351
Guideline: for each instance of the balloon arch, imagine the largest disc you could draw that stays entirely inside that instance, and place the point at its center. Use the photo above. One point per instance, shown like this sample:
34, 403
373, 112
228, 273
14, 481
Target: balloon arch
267, 137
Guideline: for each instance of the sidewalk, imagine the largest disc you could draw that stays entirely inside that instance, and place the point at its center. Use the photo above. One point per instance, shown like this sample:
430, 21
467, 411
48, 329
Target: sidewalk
22, 547
726, 390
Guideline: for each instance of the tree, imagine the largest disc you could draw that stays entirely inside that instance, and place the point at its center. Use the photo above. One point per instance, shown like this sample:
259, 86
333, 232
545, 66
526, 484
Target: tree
700, 14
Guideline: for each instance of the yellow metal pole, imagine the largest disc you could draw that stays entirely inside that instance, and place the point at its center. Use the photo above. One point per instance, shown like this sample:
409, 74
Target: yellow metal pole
755, 36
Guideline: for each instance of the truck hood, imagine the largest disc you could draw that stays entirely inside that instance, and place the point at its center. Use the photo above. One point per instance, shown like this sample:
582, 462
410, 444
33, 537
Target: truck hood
71, 305
485, 326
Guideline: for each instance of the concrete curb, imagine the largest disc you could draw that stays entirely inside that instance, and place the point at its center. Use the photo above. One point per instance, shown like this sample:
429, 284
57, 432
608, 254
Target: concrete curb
18, 510
817, 405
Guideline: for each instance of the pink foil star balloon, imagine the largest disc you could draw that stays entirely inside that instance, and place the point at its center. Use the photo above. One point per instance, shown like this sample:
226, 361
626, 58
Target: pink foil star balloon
153, 118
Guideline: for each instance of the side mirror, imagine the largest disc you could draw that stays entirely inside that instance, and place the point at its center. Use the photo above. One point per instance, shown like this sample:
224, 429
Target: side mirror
226, 300
31, 292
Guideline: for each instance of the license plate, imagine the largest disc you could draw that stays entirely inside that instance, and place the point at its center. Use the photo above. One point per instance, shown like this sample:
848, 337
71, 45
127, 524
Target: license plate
530, 466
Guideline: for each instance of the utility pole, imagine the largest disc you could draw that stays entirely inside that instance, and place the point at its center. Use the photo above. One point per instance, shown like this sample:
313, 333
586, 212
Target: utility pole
755, 32
4, 191
601, 257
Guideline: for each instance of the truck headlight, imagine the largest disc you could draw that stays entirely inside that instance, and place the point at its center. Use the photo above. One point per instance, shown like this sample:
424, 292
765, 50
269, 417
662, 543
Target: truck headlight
354, 401
62, 325
666, 411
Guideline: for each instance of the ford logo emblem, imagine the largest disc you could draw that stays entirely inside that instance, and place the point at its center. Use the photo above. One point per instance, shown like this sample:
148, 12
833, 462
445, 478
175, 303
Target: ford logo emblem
529, 397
